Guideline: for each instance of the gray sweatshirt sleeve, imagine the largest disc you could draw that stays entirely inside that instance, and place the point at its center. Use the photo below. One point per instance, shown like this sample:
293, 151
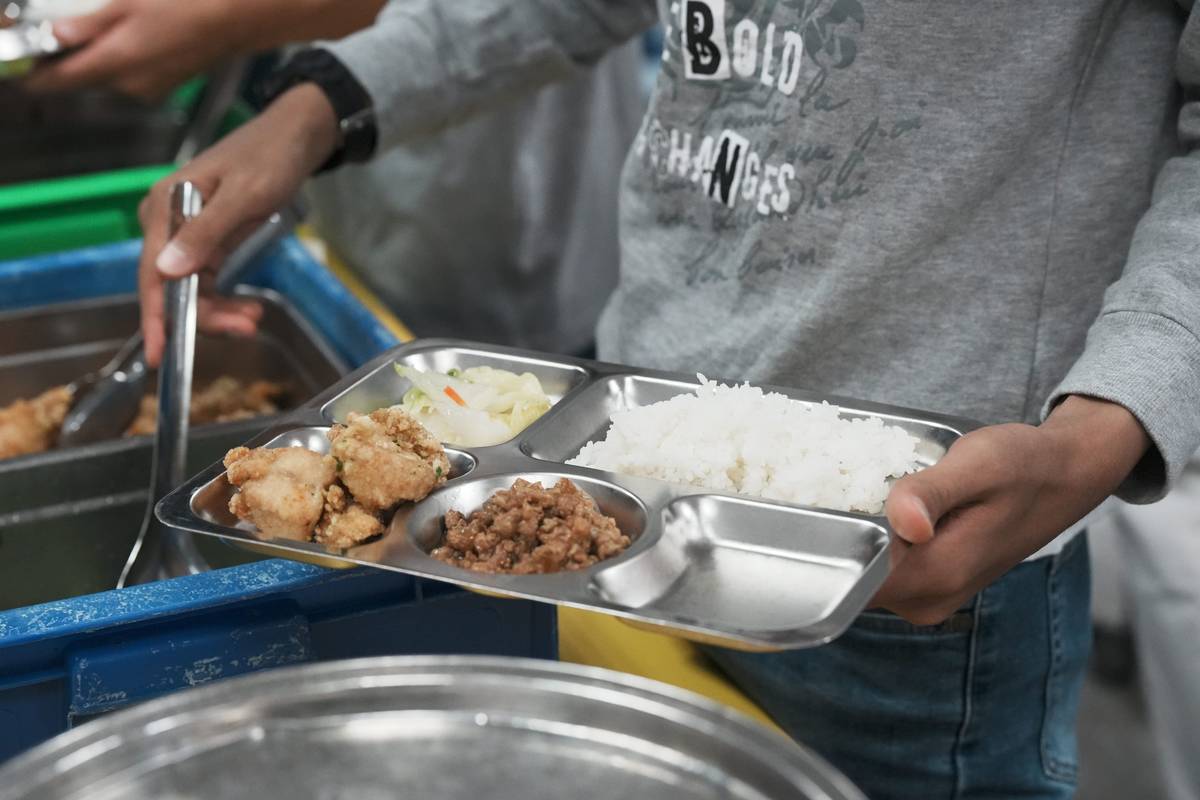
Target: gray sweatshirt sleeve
1143, 351
430, 63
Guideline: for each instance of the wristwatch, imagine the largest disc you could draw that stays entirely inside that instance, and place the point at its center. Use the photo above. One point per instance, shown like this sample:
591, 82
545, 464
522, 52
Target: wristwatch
350, 100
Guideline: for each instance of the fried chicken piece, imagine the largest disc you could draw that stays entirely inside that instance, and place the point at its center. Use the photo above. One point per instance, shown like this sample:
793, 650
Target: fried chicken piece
281, 491
228, 399
223, 400
387, 457
147, 418
345, 523
31, 426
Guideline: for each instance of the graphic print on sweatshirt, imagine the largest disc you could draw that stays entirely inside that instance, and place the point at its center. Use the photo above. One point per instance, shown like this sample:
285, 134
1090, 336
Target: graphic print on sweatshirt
779, 141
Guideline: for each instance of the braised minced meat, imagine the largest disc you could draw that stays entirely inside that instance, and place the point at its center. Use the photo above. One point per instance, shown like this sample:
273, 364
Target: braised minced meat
529, 529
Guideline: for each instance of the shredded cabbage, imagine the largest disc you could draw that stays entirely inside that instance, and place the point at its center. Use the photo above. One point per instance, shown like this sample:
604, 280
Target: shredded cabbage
496, 404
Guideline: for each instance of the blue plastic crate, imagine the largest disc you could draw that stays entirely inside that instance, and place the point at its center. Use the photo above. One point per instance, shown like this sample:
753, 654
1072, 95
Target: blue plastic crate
287, 268
64, 662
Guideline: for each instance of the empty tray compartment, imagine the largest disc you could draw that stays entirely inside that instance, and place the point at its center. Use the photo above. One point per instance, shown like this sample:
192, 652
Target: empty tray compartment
767, 571
384, 386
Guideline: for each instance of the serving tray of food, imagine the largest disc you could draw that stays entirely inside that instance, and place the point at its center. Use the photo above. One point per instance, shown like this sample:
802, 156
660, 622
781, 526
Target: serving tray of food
750, 517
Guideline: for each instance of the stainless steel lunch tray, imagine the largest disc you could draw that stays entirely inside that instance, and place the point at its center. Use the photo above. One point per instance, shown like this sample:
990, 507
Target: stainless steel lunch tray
714, 567
429, 727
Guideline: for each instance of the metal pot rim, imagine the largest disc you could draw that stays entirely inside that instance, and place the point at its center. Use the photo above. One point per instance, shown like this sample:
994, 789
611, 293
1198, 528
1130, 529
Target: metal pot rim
317, 681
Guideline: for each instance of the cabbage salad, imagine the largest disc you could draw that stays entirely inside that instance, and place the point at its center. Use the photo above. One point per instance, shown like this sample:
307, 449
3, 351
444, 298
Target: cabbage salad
474, 407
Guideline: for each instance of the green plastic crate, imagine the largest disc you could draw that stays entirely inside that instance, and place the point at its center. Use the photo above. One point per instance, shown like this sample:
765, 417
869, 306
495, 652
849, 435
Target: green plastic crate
71, 213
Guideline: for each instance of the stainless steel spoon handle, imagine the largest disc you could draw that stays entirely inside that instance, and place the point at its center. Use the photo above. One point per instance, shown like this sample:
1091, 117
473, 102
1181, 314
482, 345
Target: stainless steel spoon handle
169, 461
175, 376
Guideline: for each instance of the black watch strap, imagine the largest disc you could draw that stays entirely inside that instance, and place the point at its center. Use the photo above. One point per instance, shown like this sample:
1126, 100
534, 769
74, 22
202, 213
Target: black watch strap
350, 100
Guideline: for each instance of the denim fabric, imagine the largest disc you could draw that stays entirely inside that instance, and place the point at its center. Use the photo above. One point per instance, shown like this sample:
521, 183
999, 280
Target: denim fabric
981, 706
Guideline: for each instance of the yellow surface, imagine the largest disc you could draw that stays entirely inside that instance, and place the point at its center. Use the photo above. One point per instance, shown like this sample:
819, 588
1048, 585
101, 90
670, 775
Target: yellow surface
304, 558
599, 640
585, 637
344, 274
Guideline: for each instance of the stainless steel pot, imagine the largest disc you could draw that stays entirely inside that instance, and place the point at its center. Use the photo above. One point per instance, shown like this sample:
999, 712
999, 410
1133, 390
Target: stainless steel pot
429, 727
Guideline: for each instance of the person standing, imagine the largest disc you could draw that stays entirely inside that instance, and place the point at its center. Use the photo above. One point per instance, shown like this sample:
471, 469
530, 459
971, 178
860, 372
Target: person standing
982, 209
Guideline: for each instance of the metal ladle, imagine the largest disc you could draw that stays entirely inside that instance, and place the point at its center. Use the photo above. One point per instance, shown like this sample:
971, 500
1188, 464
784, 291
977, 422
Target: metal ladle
174, 399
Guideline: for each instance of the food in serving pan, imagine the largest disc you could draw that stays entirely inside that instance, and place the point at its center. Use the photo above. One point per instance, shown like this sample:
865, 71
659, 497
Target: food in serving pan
376, 462
742, 440
32, 426
474, 407
224, 400
530, 529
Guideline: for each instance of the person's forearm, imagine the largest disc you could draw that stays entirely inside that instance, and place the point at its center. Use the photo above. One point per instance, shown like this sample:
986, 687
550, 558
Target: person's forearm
1143, 351
267, 24
305, 113
1100, 443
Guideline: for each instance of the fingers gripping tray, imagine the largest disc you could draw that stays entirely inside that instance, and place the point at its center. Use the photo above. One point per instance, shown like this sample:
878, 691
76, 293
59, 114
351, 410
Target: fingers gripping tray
713, 567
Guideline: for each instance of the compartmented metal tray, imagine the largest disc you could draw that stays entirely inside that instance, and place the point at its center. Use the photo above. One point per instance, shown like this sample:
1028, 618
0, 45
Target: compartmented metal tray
714, 567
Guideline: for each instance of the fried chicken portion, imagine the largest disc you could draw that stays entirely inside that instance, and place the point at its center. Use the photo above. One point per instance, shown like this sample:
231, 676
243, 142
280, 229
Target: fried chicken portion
387, 457
281, 491
224, 400
345, 523
529, 529
377, 461
228, 399
32, 426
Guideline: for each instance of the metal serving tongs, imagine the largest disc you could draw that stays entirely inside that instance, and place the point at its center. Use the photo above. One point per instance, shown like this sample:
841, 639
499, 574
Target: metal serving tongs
174, 396
104, 402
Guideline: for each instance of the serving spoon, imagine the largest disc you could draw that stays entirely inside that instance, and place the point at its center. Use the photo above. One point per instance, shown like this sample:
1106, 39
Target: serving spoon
106, 401
174, 397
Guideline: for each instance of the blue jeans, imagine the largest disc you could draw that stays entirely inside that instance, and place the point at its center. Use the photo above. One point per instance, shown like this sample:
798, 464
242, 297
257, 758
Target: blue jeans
981, 706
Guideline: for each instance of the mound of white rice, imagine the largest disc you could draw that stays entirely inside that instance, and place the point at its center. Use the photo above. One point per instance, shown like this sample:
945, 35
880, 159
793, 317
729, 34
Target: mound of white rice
739, 439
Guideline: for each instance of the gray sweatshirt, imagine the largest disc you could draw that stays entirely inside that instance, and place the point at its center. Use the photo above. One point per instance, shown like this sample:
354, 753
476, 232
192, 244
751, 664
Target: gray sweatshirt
974, 208
534, 183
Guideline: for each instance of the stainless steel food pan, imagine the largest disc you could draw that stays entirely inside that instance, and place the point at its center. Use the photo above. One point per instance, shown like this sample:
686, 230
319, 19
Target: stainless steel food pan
715, 567
55, 344
68, 517
436, 728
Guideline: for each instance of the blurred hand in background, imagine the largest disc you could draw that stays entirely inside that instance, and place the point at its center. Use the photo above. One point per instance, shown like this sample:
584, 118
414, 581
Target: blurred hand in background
145, 48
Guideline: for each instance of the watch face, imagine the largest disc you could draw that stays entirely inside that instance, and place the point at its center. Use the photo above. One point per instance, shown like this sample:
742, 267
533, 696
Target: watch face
358, 121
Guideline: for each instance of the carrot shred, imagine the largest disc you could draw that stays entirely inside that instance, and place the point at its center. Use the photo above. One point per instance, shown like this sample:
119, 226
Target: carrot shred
455, 396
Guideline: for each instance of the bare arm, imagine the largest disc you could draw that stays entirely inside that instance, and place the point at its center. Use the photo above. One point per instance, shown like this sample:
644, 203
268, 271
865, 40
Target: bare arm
274, 23
145, 48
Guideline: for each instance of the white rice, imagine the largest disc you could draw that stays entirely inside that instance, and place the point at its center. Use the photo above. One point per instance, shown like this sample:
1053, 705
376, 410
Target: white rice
739, 439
